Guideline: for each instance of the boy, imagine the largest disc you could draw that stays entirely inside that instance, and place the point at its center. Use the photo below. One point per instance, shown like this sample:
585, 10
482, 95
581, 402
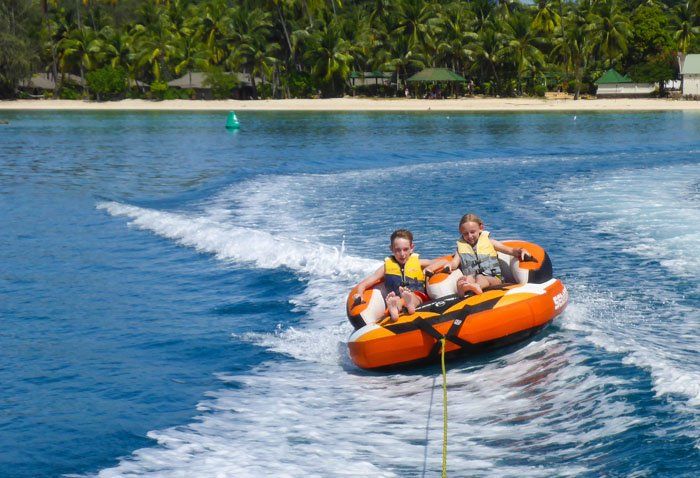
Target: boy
403, 275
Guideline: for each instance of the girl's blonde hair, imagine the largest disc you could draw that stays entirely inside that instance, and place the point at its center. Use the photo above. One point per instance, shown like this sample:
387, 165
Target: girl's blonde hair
471, 218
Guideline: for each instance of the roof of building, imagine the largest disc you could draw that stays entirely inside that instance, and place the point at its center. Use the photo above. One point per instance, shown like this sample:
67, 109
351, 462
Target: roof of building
612, 76
43, 81
371, 74
691, 65
436, 74
196, 79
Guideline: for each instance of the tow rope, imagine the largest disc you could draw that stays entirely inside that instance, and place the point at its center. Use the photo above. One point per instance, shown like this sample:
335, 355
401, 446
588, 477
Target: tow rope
444, 409
441, 342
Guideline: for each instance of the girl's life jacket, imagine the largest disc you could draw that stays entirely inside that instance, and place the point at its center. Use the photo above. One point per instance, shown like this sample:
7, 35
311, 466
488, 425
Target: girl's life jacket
483, 260
410, 275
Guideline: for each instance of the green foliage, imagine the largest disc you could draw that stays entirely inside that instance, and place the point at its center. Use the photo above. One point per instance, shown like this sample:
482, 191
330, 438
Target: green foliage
107, 83
15, 53
265, 91
300, 85
158, 90
14, 64
540, 90
298, 48
70, 92
651, 32
221, 83
658, 69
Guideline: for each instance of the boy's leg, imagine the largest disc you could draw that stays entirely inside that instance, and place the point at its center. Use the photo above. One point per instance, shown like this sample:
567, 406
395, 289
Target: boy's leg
411, 300
393, 303
468, 284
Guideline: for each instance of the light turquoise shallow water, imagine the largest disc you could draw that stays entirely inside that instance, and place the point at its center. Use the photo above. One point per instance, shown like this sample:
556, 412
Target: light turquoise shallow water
171, 294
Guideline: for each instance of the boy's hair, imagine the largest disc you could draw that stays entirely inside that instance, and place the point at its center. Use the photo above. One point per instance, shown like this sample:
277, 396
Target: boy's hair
402, 234
471, 218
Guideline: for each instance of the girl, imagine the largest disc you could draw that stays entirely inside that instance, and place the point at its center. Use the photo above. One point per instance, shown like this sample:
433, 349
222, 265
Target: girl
477, 256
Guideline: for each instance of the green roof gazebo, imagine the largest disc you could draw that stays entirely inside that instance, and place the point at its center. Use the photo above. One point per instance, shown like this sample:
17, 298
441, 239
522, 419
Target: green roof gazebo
436, 74
611, 76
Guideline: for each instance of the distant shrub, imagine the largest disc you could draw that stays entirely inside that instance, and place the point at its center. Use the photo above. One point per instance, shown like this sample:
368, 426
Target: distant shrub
158, 90
301, 85
134, 93
221, 83
107, 83
264, 90
175, 94
70, 91
540, 90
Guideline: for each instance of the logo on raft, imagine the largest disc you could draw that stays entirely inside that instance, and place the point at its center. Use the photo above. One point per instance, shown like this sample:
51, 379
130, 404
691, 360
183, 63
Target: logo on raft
561, 299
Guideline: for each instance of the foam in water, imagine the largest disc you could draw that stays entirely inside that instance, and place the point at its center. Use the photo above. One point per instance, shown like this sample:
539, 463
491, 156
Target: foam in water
656, 220
314, 417
241, 244
307, 419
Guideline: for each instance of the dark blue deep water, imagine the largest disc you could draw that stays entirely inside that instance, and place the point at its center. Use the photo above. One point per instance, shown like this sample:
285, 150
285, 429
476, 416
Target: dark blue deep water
171, 294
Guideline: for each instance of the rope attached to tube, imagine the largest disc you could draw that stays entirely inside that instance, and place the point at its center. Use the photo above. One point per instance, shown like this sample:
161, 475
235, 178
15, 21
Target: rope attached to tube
444, 410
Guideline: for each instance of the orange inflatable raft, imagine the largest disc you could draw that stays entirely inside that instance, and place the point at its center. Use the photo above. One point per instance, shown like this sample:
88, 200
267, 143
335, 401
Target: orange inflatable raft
528, 300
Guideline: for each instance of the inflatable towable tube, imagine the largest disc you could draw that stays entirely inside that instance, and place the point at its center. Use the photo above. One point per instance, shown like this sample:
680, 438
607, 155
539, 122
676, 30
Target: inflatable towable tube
527, 301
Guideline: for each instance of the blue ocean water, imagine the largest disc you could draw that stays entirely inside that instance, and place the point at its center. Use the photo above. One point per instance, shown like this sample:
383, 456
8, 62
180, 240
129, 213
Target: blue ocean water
172, 294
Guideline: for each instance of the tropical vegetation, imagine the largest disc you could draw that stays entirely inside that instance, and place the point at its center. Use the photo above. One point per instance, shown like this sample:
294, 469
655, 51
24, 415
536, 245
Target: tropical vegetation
300, 48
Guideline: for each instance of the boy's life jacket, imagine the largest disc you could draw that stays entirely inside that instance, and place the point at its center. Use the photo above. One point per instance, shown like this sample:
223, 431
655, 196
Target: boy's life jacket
483, 260
410, 275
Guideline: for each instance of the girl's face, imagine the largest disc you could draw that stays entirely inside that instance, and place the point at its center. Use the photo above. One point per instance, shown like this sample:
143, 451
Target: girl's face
402, 249
470, 231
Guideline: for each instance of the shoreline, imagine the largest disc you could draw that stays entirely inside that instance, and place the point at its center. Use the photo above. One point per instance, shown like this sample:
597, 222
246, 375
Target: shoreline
361, 104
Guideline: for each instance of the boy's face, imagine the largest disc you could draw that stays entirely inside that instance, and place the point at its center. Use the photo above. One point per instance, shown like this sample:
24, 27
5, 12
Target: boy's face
402, 249
470, 232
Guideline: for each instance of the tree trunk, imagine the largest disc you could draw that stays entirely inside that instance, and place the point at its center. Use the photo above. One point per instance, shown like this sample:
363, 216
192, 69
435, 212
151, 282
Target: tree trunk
286, 34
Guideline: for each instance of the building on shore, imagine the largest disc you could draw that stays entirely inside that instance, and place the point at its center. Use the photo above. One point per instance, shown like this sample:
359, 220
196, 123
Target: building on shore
197, 82
690, 72
614, 85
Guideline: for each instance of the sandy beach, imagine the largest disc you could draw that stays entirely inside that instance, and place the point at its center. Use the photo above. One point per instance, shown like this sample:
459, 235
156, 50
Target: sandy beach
364, 104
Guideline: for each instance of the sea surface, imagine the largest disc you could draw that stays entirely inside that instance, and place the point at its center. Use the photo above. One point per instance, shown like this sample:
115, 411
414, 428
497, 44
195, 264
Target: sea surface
172, 294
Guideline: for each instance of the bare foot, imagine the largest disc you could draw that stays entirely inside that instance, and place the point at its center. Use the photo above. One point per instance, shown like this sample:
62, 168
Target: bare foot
472, 287
407, 297
393, 302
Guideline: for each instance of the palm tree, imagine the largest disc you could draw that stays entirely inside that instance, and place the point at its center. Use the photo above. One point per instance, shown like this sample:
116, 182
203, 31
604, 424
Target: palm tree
575, 46
214, 29
547, 20
488, 53
329, 56
251, 35
457, 38
154, 45
189, 53
686, 26
398, 56
413, 19
610, 32
78, 49
522, 48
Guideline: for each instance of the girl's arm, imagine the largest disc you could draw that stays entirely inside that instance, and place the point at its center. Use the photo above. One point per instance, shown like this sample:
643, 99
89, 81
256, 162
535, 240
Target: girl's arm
518, 252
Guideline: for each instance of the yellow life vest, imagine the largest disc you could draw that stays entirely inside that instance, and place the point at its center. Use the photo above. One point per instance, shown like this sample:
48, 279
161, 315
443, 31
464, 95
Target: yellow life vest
410, 275
483, 260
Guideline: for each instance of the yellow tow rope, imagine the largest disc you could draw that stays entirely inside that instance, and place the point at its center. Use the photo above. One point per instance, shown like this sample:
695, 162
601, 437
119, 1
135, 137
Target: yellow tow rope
444, 410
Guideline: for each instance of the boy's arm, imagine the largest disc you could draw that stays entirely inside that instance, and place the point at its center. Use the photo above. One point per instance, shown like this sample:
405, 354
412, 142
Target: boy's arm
375, 276
437, 264
518, 252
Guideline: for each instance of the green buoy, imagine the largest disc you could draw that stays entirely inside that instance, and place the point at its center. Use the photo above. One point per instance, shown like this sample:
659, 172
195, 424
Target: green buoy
232, 121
